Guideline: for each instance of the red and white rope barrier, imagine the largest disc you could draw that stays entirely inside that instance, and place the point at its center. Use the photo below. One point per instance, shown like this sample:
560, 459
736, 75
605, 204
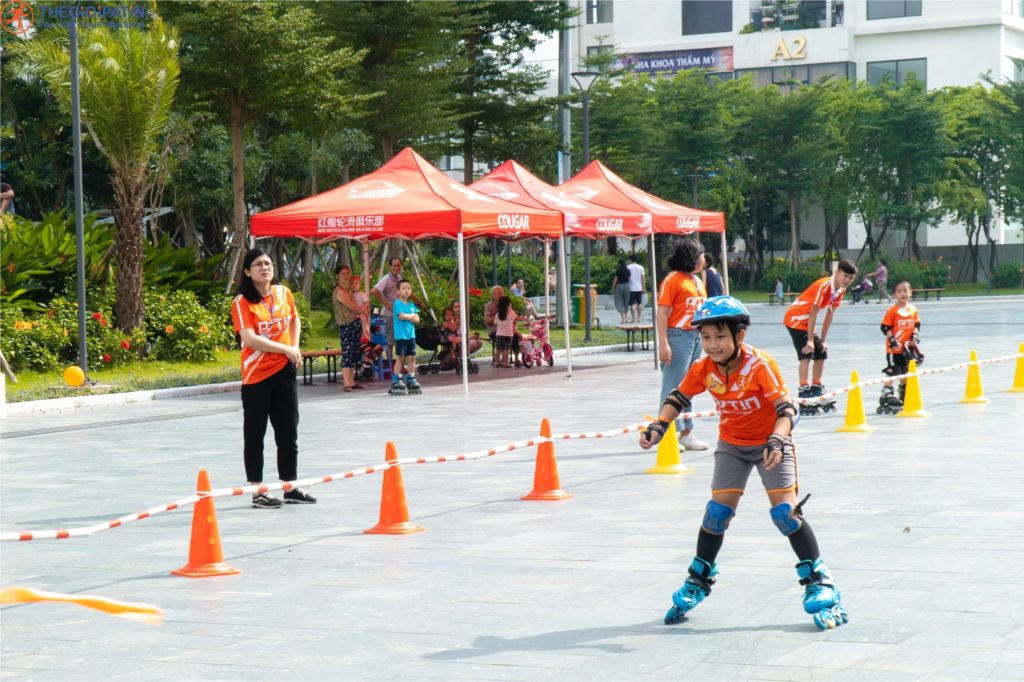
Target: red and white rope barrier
85, 531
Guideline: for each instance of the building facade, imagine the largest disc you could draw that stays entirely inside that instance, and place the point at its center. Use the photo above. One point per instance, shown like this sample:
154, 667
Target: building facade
942, 42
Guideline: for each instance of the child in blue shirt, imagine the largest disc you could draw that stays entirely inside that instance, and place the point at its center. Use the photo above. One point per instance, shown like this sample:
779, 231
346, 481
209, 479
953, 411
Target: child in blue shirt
406, 317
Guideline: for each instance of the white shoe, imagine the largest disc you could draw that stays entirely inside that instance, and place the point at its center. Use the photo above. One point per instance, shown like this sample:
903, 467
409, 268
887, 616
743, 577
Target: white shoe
691, 443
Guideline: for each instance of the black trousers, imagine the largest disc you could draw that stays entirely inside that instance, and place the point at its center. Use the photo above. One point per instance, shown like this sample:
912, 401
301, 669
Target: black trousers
276, 398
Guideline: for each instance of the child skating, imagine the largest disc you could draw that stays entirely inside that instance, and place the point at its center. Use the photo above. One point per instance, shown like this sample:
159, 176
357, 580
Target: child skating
756, 421
801, 319
406, 318
901, 326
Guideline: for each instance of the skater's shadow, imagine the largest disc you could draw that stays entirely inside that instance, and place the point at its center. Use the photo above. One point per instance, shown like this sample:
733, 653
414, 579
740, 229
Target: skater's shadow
594, 639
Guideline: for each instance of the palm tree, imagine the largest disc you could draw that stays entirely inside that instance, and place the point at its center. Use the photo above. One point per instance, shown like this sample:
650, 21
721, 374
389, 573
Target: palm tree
128, 77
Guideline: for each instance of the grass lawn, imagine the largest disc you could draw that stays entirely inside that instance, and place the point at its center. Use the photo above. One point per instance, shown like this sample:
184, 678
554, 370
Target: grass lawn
753, 296
148, 375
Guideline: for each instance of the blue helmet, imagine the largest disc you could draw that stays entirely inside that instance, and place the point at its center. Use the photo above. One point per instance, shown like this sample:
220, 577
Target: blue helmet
721, 309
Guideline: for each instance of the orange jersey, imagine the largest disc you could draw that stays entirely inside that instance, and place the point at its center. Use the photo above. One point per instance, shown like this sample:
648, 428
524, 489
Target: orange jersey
822, 294
683, 292
270, 318
903, 322
746, 406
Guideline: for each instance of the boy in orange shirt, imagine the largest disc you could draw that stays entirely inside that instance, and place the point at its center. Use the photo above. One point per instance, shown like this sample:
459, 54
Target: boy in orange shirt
801, 319
756, 419
900, 325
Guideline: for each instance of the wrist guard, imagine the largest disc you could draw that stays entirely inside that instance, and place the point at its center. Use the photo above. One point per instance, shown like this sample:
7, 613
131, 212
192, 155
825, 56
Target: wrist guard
777, 443
655, 430
677, 401
915, 338
894, 343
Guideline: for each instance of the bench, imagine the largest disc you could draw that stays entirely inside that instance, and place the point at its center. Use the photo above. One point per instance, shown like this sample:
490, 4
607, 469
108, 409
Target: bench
787, 297
632, 330
927, 292
309, 359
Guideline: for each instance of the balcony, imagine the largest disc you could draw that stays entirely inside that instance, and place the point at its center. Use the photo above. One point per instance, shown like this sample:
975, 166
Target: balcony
793, 15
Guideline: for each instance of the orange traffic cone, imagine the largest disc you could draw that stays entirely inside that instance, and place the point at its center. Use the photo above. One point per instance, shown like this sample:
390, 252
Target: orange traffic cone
394, 512
545, 474
205, 558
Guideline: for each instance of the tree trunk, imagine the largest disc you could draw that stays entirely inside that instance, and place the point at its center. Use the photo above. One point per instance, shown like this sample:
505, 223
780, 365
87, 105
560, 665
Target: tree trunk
129, 200
794, 231
239, 240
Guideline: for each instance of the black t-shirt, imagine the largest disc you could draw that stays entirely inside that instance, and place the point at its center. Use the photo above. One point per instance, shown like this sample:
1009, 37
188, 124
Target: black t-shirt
622, 275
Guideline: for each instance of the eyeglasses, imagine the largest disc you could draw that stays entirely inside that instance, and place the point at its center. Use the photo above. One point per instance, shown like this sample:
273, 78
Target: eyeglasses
262, 264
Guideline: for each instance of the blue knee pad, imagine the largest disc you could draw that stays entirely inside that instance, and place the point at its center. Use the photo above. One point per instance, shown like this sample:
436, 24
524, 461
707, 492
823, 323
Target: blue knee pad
784, 519
716, 517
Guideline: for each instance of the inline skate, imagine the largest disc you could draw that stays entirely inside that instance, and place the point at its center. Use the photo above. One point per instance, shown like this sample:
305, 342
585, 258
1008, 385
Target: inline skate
889, 402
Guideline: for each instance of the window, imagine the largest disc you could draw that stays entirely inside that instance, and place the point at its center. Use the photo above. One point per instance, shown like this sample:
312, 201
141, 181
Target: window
599, 11
598, 50
789, 74
893, 9
897, 71
706, 16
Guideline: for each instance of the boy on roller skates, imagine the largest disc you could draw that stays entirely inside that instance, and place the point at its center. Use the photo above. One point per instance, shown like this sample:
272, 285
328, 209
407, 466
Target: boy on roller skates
756, 419
406, 318
801, 318
901, 326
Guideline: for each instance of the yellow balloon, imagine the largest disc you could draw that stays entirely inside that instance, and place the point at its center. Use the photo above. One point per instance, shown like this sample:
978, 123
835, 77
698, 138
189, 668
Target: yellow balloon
74, 376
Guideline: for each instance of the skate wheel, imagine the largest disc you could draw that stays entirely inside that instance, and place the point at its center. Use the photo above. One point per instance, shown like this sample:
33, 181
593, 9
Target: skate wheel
675, 615
880, 410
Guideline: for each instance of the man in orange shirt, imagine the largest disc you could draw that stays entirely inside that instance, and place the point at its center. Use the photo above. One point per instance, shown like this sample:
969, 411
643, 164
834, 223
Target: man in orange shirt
756, 418
801, 319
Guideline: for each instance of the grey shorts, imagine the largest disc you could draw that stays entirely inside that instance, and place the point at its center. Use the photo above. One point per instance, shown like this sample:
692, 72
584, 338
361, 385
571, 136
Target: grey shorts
734, 462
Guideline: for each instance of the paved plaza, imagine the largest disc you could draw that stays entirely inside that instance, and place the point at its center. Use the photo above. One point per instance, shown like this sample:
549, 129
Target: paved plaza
921, 522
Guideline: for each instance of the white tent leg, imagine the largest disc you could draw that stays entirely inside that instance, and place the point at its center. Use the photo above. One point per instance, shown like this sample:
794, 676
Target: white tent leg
464, 308
725, 266
654, 300
547, 289
565, 306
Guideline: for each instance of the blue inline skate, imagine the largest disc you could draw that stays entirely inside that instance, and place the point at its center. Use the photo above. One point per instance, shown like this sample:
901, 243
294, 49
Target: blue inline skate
821, 596
412, 386
693, 591
397, 387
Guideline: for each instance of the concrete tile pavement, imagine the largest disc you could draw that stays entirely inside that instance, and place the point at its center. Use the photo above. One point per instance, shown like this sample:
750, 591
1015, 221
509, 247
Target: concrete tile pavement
920, 522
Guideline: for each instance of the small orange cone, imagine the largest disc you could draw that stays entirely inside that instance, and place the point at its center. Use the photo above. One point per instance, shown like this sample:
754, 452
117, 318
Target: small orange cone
394, 512
205, 558
545, 474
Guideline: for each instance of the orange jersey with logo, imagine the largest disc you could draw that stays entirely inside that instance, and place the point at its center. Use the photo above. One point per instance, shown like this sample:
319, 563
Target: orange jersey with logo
746, 406
903, 322
270, 318
683, 292
822, 294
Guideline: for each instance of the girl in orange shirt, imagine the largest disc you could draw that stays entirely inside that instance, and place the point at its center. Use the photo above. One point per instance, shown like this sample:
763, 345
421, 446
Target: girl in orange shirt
680, 295
268, 324
756, 418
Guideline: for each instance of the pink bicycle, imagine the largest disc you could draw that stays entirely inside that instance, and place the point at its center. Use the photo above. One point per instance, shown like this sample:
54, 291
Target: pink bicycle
537, 350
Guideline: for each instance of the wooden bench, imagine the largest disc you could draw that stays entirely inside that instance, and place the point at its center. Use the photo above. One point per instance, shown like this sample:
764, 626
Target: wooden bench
632, 330
927, 292
787, 297
309, 359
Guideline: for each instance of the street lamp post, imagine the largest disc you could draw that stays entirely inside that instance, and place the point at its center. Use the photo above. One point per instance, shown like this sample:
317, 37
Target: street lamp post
585, 79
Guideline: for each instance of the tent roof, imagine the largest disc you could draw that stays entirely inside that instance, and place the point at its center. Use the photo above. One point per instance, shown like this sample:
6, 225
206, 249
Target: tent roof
599, 185
406, 197
512, 182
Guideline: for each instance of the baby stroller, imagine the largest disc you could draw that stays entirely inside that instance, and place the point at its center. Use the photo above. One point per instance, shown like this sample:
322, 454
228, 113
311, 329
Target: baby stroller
442, 359
861, 290
372, 347
538, 350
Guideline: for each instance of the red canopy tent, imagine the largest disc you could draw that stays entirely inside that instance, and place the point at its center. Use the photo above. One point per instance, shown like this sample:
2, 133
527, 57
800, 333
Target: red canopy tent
408, 197
597, 184
512, 182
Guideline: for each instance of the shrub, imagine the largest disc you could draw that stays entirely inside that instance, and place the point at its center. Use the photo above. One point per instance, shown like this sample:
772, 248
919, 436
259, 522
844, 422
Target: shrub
1008, 275
793, 280
178, 327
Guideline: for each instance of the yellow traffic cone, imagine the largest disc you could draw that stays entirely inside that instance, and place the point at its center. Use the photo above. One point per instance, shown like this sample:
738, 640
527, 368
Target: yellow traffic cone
974, 393
855, 421
668, 461
1018, 375
913, 406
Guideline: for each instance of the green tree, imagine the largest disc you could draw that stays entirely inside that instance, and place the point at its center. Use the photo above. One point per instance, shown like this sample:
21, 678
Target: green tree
246, 60
128, 77
496, 92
